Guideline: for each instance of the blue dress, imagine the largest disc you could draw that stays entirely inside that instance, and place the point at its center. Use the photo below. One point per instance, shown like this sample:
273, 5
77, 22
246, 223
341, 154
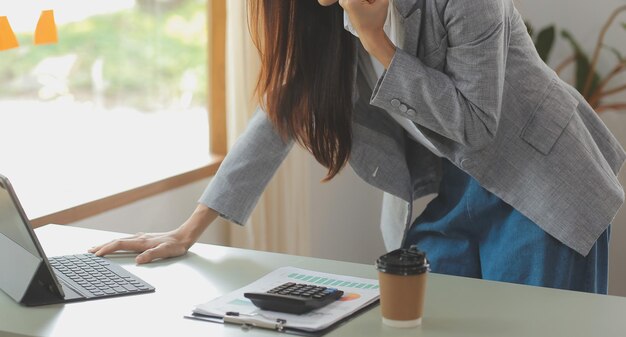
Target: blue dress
468, 231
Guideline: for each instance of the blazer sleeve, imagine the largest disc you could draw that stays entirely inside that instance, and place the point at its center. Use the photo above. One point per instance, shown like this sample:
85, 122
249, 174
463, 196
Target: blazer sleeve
248, 167
463, 103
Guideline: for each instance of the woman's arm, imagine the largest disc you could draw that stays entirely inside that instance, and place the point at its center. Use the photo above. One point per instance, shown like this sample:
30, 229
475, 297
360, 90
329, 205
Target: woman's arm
463, 103
232, 194
246, 170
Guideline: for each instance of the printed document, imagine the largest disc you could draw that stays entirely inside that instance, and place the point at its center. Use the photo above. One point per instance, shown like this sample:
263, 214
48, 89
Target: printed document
358, 293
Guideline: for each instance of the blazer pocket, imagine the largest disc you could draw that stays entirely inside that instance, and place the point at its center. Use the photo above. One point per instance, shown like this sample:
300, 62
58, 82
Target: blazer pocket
550, 118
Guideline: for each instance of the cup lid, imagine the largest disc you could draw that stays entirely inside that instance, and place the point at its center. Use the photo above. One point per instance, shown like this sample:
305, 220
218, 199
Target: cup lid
403, 261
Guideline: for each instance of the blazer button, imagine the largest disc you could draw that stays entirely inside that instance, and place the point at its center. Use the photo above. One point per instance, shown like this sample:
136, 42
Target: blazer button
403, 108
395, 103
411, 112
465, 163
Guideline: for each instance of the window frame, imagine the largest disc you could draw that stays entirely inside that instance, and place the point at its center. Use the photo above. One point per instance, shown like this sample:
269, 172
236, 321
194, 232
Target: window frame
216, 21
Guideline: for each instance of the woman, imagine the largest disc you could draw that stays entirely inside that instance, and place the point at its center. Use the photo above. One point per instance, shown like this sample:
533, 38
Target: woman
445, 96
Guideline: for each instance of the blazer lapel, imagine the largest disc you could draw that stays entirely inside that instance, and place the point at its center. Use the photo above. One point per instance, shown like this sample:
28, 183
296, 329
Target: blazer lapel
411, 13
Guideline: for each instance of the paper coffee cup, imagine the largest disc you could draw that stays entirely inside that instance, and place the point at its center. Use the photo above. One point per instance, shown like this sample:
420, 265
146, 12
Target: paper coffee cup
402, 277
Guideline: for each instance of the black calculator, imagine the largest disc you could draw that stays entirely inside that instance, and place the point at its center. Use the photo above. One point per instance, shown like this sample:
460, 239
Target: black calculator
294, 298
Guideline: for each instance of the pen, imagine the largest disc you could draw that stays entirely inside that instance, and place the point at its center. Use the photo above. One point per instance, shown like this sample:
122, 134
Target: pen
254, 320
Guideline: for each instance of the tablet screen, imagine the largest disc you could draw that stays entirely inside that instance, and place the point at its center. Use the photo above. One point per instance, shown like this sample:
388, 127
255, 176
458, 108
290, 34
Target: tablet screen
11, 223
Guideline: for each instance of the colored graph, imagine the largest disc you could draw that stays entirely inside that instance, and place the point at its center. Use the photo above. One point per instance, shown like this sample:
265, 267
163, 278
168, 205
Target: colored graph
349, 297
330, 282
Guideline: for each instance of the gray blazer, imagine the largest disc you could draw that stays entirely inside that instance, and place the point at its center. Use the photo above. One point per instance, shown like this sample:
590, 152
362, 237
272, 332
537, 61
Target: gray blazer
467, 74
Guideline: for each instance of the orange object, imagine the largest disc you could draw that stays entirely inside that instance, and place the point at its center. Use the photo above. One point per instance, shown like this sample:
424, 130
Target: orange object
46, 31
7, 37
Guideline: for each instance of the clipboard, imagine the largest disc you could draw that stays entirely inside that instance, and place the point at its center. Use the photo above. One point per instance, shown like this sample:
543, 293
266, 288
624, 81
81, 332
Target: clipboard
360, 295
248, 323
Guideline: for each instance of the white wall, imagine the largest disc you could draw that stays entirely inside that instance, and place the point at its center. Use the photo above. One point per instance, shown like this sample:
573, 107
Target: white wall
616, 121
345, 217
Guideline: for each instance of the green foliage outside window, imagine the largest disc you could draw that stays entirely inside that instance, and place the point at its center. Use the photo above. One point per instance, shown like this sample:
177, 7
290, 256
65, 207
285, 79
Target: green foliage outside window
149, 56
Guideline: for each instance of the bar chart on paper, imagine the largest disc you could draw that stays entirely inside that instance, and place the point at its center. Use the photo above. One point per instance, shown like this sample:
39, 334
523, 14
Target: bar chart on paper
331, 282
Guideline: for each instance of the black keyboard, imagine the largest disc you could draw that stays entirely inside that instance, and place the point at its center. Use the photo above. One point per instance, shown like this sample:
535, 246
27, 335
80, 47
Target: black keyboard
93, 276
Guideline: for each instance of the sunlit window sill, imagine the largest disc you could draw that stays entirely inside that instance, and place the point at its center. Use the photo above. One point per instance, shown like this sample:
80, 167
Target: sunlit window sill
50, 206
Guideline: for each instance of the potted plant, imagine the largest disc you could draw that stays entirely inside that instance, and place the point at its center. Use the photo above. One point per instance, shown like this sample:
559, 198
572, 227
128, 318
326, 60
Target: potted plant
594, 86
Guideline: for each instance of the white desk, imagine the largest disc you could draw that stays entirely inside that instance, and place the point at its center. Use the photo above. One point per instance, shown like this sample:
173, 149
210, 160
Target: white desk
454, 306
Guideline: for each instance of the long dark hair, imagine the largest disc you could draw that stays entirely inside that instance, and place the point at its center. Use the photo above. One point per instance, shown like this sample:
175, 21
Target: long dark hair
305, 84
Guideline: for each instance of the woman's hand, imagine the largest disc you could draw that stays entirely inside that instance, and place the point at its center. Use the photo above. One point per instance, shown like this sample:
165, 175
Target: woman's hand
367, 16
368, 19
152, 246
162, 245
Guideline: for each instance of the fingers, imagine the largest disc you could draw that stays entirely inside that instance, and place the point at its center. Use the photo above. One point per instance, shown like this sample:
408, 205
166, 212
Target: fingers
97, 248
94, 249
132, 244
350, 4
162, 251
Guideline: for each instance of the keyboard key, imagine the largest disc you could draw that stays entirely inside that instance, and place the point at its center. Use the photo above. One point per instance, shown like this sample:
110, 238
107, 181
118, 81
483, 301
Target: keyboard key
130, 287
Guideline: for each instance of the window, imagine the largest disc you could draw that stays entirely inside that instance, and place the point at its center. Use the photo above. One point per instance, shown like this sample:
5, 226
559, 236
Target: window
119, 103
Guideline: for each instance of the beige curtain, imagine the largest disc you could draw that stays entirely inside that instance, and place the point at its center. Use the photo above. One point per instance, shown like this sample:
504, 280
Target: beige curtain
280, 222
